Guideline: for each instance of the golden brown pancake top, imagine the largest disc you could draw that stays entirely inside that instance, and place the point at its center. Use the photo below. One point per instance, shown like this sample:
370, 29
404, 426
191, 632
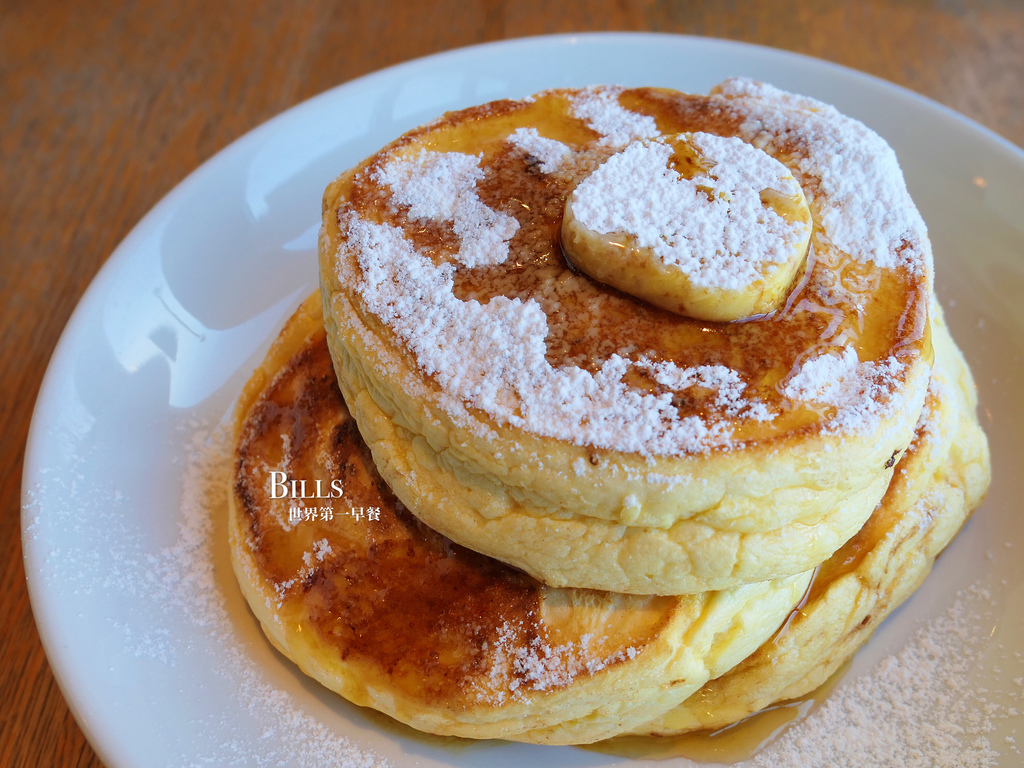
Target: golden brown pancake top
437, 619
839, 300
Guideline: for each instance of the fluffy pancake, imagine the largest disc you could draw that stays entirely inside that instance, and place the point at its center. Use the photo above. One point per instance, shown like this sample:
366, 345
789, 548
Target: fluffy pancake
392, 615
593, 439
940, 480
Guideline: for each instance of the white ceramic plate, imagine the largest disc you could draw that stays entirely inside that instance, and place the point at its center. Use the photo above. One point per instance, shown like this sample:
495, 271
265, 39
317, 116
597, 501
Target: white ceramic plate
154, 649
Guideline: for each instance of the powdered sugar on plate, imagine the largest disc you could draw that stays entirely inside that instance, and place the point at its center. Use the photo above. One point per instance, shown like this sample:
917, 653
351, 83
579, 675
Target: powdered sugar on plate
180, 598
182, 578
920, 708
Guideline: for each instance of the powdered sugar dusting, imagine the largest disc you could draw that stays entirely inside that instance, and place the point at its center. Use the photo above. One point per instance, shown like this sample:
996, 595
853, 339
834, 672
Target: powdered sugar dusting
601, 109
861, 199
175, 619
861, 392
442, 186
185, 579
548, 152
713, 227
921, 708
825, 378
493, 356
726, 382
517, 665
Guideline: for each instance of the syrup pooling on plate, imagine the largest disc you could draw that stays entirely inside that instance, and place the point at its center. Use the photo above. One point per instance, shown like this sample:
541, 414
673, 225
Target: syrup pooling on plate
860, 308
733, 743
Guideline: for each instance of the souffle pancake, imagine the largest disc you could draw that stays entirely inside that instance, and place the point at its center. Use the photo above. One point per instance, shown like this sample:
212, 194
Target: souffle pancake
570, 424
390, 614
619, 411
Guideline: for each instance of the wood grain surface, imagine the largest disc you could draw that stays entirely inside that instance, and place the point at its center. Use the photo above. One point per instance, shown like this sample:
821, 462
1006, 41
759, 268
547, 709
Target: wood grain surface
105, 106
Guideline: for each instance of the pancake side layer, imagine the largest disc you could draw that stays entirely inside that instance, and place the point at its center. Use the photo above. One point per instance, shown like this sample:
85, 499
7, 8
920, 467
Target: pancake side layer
392, 615
941, 479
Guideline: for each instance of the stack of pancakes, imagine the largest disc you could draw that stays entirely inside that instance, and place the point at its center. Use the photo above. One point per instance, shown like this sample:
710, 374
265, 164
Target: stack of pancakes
619, 411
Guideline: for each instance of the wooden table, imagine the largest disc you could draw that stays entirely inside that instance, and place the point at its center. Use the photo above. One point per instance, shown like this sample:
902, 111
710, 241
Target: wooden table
106, 105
